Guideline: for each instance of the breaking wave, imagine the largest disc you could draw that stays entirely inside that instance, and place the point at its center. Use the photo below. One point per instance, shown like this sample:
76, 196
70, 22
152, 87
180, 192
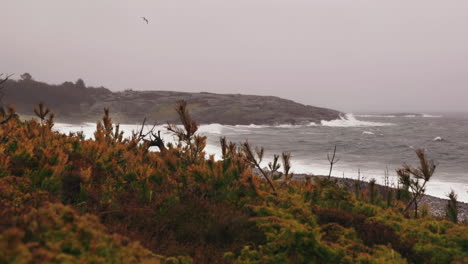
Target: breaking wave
276, 126
379, 116
432, 116
350, 121
211, 129
398, 115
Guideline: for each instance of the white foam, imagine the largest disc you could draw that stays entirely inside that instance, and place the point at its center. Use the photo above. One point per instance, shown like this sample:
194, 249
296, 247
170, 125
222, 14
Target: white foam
350, 121
295, 126
277, 126
431, 116
393, 116
383, 116
442, 189
251, 126
211, 129
88, 129
434, 187
438, 139
368, 133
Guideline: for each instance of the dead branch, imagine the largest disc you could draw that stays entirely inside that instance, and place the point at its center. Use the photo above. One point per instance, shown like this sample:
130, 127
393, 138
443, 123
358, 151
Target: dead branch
332, 160
255, 162
150, 138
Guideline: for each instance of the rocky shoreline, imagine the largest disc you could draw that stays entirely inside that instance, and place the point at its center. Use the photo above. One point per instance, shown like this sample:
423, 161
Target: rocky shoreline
76, 103
436, 205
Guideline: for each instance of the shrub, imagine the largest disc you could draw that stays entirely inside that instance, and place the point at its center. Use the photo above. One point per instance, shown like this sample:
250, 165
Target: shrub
451, 210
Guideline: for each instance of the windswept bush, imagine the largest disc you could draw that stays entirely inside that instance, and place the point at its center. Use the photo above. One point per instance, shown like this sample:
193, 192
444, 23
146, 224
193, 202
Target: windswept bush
112, 200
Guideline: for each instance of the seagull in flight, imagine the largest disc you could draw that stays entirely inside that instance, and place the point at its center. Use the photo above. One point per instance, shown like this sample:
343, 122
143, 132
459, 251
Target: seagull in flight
145, 19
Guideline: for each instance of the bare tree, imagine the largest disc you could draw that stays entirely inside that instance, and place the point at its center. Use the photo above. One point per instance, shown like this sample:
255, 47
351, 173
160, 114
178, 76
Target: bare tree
150, 138
332, 160
11, 111
2, 81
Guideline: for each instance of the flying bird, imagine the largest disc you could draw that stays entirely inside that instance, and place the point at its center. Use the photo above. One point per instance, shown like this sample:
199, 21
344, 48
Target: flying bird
145, 19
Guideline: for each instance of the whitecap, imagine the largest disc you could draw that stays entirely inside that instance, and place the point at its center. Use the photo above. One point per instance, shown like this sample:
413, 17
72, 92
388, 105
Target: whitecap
252, 126
296, 126
368, 133
431, 116
438, 139
277, 126
381, 116
350, 121
211, 129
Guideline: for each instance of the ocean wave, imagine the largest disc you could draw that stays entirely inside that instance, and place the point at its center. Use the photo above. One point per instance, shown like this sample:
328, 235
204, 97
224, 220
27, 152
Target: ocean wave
394, 116
378, 116
422, 115
431, 116
277, 126
295, 126
211, 129
435, 187
350, 121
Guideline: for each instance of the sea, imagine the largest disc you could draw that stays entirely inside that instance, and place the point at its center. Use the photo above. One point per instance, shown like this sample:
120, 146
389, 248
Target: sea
367, 145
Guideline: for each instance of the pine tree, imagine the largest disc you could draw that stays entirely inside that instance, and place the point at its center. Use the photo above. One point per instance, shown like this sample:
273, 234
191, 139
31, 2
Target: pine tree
451, 211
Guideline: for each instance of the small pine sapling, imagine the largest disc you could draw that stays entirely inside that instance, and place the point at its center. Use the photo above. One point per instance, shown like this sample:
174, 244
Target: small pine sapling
372, 191
195, 144
412, 177
254, 158
451, 210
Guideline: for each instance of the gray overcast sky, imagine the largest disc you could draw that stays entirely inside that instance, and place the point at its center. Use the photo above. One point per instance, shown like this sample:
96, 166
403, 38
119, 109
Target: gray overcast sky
351, 55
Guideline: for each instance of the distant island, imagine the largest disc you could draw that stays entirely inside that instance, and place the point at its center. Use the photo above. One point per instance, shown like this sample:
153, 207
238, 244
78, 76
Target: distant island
75, 102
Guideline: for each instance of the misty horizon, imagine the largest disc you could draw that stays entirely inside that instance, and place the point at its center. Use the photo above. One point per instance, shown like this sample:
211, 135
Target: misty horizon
354, 57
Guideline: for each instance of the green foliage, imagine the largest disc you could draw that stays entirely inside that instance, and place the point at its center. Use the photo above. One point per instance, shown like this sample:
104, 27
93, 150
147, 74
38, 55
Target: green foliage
109, 200
372, 191
414, 179
292, 236
451, 211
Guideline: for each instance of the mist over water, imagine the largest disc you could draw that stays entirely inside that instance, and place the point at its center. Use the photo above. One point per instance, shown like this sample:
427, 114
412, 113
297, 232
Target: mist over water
369, 143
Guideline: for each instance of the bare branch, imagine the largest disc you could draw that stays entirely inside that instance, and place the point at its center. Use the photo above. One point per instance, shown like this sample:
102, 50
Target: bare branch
332, 160
4, 80
150, 138
250, 158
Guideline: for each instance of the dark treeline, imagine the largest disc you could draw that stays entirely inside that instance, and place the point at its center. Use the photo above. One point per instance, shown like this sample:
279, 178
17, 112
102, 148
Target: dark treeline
65, 98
